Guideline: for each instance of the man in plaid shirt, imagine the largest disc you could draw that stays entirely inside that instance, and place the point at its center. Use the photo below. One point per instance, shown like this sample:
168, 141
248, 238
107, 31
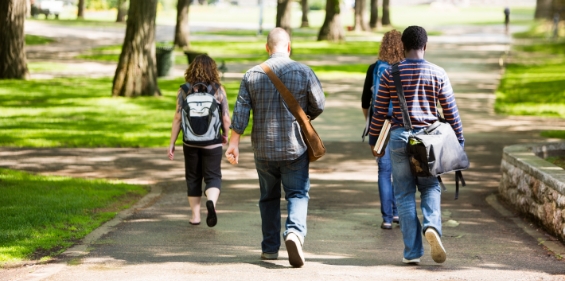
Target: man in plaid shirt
279, 149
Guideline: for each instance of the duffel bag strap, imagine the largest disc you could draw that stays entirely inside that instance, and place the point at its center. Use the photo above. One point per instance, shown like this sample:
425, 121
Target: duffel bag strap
400, 92
458, 177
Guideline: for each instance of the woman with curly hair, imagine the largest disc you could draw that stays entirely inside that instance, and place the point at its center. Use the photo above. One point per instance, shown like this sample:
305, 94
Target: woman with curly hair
202, 159
391, 52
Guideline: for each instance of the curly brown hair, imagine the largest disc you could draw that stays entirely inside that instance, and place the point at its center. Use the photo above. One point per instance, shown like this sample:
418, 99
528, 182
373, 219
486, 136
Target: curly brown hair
202, 70
391, 50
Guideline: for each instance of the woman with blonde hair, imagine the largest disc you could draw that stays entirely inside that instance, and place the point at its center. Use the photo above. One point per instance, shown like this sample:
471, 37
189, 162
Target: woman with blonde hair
202, 112
391, 52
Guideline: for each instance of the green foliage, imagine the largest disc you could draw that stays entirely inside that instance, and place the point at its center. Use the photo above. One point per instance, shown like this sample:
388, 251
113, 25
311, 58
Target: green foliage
553, 134
43, 215
80, 112
533, 82
98, 4
539, 30
36, 40
317, 5
557, 160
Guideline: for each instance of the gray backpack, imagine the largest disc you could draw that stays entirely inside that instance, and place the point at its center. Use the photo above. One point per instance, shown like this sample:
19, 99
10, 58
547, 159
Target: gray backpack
201, 115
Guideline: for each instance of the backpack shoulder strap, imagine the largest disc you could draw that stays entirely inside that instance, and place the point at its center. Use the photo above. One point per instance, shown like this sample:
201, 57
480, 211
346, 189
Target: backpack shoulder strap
185, 88
400, 92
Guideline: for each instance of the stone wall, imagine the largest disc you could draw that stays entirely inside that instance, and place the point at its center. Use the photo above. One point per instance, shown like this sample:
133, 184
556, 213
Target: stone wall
535, 187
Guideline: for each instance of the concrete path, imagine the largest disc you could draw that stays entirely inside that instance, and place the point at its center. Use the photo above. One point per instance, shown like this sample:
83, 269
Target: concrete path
155, 242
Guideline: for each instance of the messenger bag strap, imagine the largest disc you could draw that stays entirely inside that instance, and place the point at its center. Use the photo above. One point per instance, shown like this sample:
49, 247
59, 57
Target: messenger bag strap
289, 99
400, 92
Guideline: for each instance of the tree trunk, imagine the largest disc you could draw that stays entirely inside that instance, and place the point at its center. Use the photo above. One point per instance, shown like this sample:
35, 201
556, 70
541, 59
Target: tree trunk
332, 29
305, 10
12, 46
360, 21
559, 8
136, 74
122, 11
80, 10
543, 9
374, 18
283, 14
28, 8
182, 30
386, 13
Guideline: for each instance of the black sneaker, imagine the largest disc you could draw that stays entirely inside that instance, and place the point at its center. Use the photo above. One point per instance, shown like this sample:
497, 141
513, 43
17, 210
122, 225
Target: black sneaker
212, 219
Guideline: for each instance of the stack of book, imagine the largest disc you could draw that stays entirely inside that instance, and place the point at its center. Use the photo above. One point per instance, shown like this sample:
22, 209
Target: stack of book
382, 141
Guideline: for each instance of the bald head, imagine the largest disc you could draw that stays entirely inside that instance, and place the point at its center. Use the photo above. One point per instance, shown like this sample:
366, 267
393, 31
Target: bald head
278, 41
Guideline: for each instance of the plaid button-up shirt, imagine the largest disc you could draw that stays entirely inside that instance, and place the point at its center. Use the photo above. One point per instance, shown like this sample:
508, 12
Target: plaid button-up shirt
276, 135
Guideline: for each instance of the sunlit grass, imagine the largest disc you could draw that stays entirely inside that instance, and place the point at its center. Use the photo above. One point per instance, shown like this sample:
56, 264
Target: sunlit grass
532, 90
554, 134
533, 84
250, 51
341, 71
36, 40
44, 215
47, 67
80, 112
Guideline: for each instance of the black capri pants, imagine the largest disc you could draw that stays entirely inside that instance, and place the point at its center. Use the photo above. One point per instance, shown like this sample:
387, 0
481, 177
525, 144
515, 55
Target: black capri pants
199, 164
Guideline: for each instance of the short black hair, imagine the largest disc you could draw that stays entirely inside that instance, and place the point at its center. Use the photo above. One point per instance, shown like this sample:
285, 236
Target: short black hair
414, 38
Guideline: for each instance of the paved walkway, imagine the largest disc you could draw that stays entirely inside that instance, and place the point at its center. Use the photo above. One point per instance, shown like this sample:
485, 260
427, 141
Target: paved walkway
155, 242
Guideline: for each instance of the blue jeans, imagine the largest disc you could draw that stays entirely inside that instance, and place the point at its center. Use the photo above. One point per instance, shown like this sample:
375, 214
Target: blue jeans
295, 179
405, 185
386, 192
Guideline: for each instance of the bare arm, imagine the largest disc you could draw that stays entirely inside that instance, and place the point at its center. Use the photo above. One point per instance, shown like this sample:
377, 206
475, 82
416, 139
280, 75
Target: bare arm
232, 153
175, 129
226, 120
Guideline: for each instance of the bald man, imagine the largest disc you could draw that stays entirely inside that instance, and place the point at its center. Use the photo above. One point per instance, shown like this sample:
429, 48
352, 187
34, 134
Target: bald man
279, 149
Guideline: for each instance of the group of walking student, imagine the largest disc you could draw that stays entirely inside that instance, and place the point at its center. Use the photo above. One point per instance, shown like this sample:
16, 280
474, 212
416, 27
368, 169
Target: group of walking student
280, 152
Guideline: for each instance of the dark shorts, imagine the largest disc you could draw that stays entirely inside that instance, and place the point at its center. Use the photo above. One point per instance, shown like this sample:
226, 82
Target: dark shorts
202, 164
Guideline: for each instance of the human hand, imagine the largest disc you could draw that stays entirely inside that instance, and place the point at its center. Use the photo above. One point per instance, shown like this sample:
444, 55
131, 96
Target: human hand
232, 154
224, 139
171, 151
373, 151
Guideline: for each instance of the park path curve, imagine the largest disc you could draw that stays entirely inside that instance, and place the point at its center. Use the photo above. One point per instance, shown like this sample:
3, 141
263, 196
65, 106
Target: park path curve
344, 240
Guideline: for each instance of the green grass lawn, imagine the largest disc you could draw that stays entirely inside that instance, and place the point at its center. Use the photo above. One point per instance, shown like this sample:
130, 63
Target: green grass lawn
532, 90
36, 40
44, 215
534, 81
250, 51
80, 112
47, 66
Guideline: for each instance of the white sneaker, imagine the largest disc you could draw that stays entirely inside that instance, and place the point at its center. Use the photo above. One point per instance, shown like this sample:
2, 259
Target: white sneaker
438, 252
294, 249
412, 261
